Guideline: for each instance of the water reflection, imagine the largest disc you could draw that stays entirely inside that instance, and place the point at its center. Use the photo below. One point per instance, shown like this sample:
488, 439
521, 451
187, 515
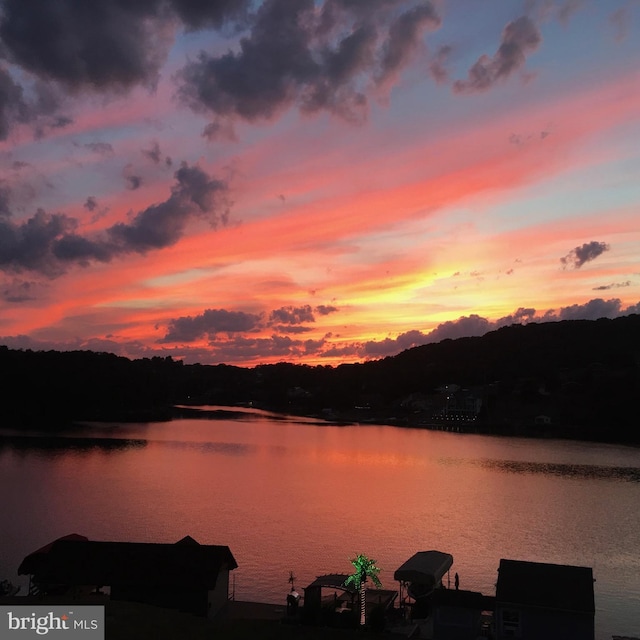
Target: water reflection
55, 445
582, 471
224, 448
219, 412
287, 496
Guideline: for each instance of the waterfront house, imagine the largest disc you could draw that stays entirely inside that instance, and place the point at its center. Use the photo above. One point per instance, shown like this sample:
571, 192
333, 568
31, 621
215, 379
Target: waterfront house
539, 600
185, 575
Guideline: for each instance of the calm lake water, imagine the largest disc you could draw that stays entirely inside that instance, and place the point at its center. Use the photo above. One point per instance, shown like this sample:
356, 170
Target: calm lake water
298, 495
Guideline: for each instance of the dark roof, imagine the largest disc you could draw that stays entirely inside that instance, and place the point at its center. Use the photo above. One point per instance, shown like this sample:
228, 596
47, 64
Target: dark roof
331, 580
85, 562
33, 560
463, 599
424, 567
550, 586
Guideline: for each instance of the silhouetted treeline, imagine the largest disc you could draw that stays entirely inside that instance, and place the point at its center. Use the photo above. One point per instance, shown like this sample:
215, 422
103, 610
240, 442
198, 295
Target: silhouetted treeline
570, 379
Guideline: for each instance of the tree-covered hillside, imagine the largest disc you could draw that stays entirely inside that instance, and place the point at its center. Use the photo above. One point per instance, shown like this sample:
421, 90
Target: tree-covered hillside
573, 378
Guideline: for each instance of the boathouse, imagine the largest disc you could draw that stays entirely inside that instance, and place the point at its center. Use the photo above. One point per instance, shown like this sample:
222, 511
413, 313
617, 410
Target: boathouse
419, 576
538, 600
185, 575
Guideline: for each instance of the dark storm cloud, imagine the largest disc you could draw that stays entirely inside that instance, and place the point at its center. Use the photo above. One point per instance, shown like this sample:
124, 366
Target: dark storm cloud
114, 43
107, 43
585, 253
292, 315
195, 186
209, 323
320, 56
519, 38
91, 204
285, 320
161, 225
264, 75
29, 245
74, 248
49, 243
297, 54
331, 90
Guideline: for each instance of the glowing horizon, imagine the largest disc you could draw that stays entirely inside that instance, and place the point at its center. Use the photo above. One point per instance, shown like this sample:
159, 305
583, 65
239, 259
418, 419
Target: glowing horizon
306, 182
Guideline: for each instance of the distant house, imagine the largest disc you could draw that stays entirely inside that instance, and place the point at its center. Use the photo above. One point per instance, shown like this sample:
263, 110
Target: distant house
186, 575
538, 600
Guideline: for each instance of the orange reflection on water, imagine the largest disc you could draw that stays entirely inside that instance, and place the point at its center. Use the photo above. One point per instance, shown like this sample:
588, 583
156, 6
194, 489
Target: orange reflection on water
307, 497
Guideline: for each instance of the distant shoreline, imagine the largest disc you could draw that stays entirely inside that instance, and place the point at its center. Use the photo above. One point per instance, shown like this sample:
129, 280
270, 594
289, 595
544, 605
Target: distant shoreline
54, 435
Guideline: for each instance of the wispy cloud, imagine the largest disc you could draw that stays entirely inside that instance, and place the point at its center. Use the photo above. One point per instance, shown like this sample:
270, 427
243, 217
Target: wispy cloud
519, 38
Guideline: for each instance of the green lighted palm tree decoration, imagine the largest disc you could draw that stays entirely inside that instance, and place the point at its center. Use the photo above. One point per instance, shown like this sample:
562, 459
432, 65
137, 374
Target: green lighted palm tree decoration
364, 568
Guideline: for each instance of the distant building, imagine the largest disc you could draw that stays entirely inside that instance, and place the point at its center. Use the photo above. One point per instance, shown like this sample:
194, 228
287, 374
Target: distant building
458, 405
186, 575
536, 600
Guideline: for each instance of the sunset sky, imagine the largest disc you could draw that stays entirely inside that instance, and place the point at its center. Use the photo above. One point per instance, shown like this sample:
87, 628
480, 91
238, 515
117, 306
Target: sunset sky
313, 181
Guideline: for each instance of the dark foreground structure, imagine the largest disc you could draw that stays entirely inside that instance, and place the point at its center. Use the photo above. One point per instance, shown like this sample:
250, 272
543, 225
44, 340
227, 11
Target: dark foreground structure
533, 600
186, 575
539, 600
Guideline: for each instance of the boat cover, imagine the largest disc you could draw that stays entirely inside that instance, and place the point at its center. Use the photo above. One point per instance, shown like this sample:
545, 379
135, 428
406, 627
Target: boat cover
425, 567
